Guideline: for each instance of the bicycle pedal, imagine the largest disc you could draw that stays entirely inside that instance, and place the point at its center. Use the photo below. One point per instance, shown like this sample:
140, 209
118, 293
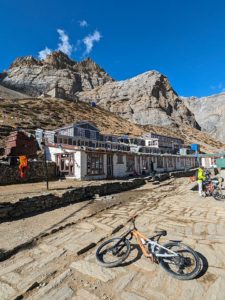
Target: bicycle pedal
150, 257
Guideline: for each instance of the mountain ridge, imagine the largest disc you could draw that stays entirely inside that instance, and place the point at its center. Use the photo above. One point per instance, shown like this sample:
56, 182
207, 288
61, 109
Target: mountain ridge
147, 99
50, 113
209, 112
36, 77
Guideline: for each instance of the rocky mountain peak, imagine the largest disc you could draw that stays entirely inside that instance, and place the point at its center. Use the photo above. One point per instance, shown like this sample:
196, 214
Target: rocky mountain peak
209, 113
89, 63
26, 61
35, 77
144, 99
59, 60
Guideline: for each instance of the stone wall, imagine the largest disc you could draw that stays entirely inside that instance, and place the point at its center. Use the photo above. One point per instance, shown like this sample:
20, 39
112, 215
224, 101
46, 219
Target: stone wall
28, 206
35, 172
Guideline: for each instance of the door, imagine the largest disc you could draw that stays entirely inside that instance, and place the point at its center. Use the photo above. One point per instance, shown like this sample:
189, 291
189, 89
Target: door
66, 164
109, 165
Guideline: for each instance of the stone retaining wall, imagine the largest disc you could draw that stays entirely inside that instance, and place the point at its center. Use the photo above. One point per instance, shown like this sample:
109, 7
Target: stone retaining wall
35, 172
30, 205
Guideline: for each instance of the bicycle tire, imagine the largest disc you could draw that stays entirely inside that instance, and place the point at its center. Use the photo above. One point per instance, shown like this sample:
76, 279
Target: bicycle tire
99, 255
179, 276
218, 195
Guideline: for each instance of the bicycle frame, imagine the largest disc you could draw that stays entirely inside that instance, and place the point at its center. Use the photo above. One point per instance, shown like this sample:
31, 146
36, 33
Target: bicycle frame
153, 244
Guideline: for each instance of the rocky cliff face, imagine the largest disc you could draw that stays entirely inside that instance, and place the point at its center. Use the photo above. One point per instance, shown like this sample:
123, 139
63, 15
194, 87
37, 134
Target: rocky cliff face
145, 99
209, 113
35, 77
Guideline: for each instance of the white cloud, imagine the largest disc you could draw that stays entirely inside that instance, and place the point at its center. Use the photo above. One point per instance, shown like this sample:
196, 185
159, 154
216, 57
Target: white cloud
66, 47
219, 87
43, 53
64, 44
83, 23
90, 39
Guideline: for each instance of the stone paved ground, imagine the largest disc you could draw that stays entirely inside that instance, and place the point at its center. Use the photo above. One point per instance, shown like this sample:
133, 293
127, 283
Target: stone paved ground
52, 269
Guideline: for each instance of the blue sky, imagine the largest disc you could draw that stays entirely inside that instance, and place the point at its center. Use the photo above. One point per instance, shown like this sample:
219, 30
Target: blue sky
184, 40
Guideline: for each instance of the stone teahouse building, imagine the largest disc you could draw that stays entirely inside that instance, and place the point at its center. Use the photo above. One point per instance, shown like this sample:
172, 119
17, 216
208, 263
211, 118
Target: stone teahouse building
82, 152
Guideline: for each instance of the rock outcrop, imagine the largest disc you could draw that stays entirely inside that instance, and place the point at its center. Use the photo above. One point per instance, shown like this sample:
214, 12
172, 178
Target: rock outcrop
209, 113
36, 77
145, 99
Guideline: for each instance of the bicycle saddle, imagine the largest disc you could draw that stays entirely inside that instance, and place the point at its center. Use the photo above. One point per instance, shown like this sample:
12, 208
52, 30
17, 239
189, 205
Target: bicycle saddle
161, 232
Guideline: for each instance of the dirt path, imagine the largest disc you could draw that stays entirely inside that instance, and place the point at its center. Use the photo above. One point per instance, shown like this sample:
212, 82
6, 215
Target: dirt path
53, 269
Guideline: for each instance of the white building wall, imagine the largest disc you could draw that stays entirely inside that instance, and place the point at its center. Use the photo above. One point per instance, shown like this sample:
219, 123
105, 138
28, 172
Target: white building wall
79, 164
51, 151
119, 169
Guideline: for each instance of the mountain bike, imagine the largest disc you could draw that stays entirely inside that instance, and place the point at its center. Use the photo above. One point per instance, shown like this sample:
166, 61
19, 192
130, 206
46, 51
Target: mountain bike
213, 187
176, 258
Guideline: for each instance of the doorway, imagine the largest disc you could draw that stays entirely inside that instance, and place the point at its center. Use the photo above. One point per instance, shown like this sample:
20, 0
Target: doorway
66, 164
109, 165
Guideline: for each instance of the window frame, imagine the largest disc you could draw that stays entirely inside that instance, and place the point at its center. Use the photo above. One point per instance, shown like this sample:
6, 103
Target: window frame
95, 164
130, 163
120, 159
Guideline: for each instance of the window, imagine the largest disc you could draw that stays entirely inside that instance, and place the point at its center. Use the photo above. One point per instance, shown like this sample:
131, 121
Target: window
174, 162
92, 135
182, 161
119, 159
170, 162
81, 132
95, 164
115, 146
130, 163
188, 163
159, 162
145, 163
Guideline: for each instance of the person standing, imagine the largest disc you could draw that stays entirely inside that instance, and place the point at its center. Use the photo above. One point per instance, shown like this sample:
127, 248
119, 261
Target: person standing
200, 179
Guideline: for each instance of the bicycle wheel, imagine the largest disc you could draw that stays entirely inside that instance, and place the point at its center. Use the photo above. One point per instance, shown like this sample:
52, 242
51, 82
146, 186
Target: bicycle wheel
185, 266
111, 255
218, 194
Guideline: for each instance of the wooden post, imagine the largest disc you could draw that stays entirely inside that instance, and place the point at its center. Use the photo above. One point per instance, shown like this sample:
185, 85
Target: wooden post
46, 165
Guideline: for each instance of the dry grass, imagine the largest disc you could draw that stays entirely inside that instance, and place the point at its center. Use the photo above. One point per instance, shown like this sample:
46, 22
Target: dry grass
52, 113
